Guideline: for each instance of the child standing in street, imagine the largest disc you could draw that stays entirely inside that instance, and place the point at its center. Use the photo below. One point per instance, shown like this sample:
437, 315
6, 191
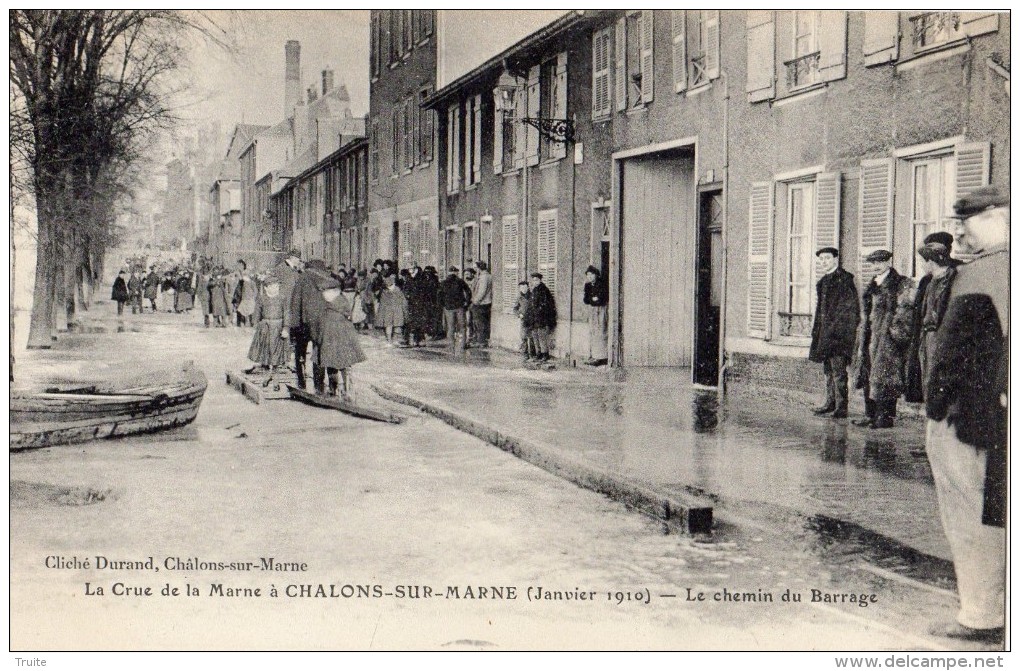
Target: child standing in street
520, 307
268, 346
336, 343
392, 307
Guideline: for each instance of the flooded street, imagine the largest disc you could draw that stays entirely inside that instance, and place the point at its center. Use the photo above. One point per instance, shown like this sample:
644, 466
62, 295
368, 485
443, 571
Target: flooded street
377, 513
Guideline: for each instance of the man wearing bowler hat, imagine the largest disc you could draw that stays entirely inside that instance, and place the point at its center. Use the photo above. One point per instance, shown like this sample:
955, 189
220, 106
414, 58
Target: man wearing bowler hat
887, 324
835, 330
966, 404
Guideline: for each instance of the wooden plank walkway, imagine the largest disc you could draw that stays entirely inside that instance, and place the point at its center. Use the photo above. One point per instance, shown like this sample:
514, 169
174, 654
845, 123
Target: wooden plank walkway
260, 387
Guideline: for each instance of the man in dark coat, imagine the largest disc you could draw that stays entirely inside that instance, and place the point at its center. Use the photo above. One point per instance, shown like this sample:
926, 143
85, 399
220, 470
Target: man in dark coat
415, 289
966, 406
306, 307
135, 290
835, 330
455, 297
152, 282
913, 391
941, 274
887, 322
120, 292
596, 297
540, 316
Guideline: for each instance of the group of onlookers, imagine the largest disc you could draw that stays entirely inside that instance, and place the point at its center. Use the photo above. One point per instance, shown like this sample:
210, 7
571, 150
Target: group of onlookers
942, 342
168, 290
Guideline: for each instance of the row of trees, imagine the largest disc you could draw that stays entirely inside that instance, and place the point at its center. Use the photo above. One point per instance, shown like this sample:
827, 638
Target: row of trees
90, 89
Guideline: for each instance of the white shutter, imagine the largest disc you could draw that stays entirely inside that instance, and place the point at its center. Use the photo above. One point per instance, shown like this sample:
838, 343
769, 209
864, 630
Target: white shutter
476, 154
455, 177
429, 243
647, 61
761, 55
978, 23
559, 100
547, 247
876, 207
534, 111
827, 214
497, 141
511, 255
600, 73
405, 254
451, 155
759, 266
832, 41
520, 130
620, 75
679, 21
881, 37
711, 45
468, 142
972, 166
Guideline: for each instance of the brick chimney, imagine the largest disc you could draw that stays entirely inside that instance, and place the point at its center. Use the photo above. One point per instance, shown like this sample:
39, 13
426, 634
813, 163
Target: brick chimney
327, 81
292, 78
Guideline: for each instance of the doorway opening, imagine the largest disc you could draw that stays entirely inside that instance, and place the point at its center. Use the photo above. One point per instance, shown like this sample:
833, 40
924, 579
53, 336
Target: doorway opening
709, 289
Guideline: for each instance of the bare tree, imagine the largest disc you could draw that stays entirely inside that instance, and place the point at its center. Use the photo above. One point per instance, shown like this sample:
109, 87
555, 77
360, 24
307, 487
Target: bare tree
89, 88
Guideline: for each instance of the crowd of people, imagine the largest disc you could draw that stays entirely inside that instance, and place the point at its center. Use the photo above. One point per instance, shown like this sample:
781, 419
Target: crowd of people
942, 342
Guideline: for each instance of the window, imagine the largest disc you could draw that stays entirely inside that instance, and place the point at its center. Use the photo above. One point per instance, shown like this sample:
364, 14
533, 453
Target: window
802, 69
933, 190
407, 27
453, 148
407, 133
396, 139
374, 148
363, 178
934, 28
601, 44
634, 54
375, 48
507, 148
552, 93
473, 141
394, 34
426, 125
800, 214
424, 24
703, 51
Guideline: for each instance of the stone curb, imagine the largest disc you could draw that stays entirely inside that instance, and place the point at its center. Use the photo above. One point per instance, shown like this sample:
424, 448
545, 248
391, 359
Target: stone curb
688, 514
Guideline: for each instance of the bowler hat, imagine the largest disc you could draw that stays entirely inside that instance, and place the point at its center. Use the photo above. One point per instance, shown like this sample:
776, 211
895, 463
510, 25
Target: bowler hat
828, 250
941, 237
879, 255
979, 200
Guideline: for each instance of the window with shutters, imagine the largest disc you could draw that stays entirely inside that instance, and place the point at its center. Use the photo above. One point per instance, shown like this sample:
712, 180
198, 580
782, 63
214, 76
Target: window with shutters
638, 59
800, 214
802, 69
702, 42
426, 128
601, 49
394, 35
374, 148
473, 141
408, 31
932, 193
453, 148
552, 92
932, 29
510, 272
396, 139
407, 133
547, 247
375, 49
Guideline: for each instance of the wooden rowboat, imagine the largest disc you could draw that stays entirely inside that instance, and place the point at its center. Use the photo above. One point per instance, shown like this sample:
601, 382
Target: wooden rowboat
337, 403
76, 413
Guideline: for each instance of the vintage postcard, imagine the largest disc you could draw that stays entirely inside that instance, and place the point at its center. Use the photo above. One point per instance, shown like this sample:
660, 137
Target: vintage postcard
510, 330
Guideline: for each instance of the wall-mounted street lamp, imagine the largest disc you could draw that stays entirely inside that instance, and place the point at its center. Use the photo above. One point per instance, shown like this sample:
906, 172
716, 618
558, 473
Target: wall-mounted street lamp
557, 130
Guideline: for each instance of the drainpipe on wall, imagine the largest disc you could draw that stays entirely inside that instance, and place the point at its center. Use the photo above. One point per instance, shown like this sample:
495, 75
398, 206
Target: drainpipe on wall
722, 355
573, 232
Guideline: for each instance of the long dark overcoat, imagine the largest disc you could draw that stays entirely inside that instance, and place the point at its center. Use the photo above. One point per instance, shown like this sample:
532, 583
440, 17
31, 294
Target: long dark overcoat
837, 314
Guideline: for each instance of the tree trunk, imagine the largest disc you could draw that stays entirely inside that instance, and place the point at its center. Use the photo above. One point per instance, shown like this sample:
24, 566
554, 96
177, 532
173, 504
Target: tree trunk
14, 266
40, 330
59, 281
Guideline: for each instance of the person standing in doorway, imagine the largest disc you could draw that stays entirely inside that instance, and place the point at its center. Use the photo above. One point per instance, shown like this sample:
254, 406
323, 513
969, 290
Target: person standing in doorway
481, 304
596, 296
835, 330
887, 322
967, 409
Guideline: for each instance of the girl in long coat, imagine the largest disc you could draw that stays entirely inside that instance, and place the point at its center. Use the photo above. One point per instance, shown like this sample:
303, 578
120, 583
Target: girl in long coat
269, 347
337, 346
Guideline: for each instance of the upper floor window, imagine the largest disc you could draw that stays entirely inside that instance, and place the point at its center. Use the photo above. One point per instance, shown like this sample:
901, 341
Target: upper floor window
634, 69
375, 48
374, 148
695, 47
601, 70
802, 69
934, 28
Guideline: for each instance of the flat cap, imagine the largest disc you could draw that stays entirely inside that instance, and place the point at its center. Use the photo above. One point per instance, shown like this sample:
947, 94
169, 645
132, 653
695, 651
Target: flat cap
934, 251
941, 237
979, 200
879, 255
827, 250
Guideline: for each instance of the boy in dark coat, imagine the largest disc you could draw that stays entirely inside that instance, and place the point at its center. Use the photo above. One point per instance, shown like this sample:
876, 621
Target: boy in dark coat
455, 297
120, 292
835, 330
540, 317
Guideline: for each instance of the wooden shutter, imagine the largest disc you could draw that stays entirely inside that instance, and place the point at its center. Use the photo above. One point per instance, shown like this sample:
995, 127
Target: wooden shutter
711, 45
600, 73
409, 135
476, 153
679, 23
759, 267
559, 100
534, 111
547, 247
469, 144
497, 140
520, 130
881, 37
978, 23
827, 213
972, 166
428, 131
620, 75
415, 111
511, 256
761, 55
647, 24
404, 242
832, 41
395, 140
876, 207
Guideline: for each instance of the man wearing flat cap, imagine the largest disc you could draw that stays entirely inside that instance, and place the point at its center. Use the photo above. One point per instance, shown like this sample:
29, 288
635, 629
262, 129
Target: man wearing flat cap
913, 384
966, 405
887, 323
306, 308
455, 297
835, 330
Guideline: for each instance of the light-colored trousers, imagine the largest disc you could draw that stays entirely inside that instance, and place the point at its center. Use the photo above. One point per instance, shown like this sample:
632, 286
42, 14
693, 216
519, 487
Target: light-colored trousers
979, 551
